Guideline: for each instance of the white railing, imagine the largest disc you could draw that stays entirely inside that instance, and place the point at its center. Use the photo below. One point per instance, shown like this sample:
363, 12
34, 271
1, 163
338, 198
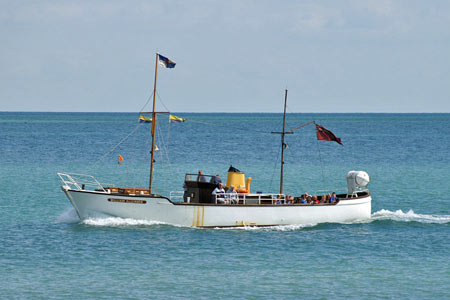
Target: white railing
176, 196
228, 198
80, 181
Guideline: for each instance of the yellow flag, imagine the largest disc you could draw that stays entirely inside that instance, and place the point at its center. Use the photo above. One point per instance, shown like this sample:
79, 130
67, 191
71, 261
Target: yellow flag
143, 119
175, 119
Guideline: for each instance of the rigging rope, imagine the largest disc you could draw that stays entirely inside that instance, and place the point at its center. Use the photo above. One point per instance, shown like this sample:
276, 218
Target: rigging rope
148, 100
114, 148
162, 102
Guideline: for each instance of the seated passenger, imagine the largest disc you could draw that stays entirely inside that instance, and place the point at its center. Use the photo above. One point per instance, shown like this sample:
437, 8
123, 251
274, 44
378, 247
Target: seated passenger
304, 200
323, 198
278, 199
309, 199
219, 193
232, 195
201, 177
328, 198
333, 198
314, 200
289, 199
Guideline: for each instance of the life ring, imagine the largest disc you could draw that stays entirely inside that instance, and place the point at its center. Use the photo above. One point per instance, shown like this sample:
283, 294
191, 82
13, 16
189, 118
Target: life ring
242, 191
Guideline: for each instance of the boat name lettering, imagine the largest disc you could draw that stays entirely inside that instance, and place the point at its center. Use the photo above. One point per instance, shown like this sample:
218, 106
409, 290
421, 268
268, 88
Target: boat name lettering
127, 201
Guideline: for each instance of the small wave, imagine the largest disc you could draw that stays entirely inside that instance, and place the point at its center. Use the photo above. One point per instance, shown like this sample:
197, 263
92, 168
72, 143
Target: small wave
115, 221
409, 216
69, 216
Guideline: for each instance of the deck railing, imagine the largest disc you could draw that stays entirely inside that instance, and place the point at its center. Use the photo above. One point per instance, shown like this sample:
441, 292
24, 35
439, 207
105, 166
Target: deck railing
80, 181
238, 198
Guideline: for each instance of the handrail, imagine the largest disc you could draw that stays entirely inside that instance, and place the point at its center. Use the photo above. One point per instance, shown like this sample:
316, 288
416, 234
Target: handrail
80, 181
228, 198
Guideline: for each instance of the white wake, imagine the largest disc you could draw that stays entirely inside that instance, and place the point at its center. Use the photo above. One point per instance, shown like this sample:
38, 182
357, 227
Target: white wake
116, 221
409, 216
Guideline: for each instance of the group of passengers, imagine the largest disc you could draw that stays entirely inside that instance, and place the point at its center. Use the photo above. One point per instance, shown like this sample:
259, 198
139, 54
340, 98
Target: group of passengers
230, 196
308, 199
288, 200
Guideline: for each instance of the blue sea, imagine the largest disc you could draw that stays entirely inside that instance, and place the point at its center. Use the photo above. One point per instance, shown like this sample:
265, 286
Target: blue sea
402, 252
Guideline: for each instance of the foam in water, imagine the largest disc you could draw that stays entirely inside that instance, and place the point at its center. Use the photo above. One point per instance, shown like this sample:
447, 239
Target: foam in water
69, 216
409, 216
115, 221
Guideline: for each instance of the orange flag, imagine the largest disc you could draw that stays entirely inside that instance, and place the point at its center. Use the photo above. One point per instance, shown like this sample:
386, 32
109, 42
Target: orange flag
120, 159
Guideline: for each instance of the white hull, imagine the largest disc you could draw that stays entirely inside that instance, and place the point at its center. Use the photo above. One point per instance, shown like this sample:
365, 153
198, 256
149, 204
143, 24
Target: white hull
93, 204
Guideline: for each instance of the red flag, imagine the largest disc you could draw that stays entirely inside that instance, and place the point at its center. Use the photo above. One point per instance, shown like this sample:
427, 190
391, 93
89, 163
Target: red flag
324, 134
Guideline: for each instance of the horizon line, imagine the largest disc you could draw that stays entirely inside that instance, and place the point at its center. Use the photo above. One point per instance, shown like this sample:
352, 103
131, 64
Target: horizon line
215, 112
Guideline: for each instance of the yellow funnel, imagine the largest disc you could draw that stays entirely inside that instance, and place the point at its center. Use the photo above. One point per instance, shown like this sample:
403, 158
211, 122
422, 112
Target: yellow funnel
236, 179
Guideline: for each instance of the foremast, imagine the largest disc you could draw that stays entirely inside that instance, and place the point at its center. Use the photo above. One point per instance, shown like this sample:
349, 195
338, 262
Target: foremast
153, 127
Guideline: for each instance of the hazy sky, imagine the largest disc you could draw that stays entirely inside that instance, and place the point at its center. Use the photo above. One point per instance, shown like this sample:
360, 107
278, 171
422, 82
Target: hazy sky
232, 56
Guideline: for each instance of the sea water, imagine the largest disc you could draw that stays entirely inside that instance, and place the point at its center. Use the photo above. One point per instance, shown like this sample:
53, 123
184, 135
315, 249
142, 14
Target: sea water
402, 252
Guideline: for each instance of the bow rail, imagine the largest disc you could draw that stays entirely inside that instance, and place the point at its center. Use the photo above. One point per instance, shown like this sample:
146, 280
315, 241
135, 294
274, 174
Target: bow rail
81, 182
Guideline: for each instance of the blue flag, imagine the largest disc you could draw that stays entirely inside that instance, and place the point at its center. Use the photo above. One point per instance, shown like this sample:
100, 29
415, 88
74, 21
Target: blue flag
165, 62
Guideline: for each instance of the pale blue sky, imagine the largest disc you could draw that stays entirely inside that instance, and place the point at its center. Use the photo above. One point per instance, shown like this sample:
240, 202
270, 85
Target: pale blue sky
233, 56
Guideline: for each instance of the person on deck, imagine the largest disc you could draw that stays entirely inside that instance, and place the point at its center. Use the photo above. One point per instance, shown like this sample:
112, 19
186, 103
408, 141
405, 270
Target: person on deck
219, 193
290, 199
278, 200
216, 180
232, 195
333, 198
303, 199
201, 177
314, 200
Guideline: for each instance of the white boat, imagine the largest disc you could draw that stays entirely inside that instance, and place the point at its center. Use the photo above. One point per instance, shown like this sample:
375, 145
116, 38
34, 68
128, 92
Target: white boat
197, 206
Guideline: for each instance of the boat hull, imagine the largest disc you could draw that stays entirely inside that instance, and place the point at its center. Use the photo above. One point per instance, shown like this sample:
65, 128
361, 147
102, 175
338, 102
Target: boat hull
90, 204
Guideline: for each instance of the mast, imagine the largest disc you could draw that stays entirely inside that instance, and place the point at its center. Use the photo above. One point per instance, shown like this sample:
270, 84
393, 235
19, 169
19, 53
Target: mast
283, 145
153, 127
282, 142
